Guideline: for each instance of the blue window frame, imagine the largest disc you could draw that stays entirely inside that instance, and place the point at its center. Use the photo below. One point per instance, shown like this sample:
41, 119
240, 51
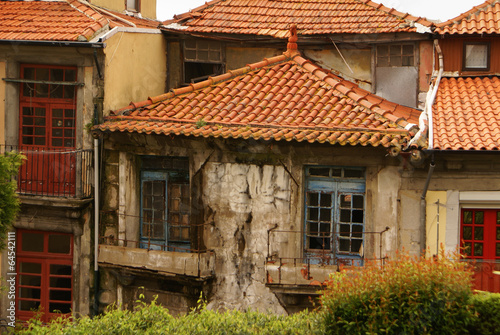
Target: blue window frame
334, 214
165, 210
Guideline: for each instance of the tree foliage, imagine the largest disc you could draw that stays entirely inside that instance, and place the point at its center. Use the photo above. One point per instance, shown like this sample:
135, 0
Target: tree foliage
9, 202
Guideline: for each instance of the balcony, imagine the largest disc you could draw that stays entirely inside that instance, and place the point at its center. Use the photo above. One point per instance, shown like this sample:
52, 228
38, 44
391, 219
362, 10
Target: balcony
285, 270
199, 264
54, 172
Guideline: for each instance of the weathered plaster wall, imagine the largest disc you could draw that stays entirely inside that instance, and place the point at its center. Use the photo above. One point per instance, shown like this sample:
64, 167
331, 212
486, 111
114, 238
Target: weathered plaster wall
246, 201
356, 65
436, 205
135, 68
238, 57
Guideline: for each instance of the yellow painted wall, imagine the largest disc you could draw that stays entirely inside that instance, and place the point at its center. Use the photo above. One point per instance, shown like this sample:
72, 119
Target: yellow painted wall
148, 7
432, 218
135, 68
2, 103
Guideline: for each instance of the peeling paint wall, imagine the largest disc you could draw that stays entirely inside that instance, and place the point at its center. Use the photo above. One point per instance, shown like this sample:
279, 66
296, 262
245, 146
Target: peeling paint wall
246, 200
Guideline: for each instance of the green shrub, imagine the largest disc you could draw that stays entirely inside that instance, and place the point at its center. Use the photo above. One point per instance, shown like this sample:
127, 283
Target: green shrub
405, 296
487, 307
154, 319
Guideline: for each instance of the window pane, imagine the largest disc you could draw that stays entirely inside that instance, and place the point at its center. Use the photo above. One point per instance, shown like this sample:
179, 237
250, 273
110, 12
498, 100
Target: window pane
312, 199
498, 250
25, 267
326, 200
32, 242
468, 248
345, 201
325, 214
498, 233
382, 51
479, 217
322, 172
345, 215
31, 293
345, 230
63, 295
60, 282
478, 249
357, 216
395, 50
344, 245
408, 50
349, 173
59, 308
467, 233
60, 269
476, 56
25, 305
467, 217
30, 280
312, 214
478, 233
356, 245
60, 244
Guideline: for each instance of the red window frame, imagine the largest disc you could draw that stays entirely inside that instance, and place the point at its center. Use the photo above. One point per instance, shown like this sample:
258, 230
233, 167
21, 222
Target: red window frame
480, 233
47, 129
39, 280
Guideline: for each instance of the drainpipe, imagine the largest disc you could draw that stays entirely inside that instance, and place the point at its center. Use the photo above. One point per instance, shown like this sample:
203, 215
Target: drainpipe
96, 213
434, 92
422, 203
428, 107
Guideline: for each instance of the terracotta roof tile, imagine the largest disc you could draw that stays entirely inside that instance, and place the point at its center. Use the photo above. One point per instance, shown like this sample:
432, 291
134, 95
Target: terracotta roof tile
481, 19
49, 21
312, 17
466, 114
296, 100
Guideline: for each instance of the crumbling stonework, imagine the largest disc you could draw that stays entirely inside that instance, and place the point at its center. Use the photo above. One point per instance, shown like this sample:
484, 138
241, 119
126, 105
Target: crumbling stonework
245, 201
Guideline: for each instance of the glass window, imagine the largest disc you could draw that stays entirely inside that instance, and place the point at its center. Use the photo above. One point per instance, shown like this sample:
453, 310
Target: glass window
480, 233
395, 55
165, 207
334, 212
476, 56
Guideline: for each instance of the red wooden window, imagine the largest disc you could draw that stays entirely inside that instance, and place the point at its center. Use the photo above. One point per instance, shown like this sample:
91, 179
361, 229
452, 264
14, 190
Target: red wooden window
45, 275
480, 233
47, 129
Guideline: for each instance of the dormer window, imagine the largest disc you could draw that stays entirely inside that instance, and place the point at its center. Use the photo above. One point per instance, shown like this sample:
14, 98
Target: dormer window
202, 59
476, 57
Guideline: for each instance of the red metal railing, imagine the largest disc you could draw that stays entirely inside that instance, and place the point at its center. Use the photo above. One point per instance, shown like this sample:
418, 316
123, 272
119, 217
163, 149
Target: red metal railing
54, 172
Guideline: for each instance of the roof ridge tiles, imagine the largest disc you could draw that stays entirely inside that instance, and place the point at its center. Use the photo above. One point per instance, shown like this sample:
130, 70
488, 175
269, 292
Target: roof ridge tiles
468, 15
250, 124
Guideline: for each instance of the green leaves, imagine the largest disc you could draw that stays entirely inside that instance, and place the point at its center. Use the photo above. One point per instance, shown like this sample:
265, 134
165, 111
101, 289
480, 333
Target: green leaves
405, 296
9, 202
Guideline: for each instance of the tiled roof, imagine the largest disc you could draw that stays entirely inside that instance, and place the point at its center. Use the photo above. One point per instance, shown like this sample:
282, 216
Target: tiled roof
49, 21
60, 20
281, 98
466, 114
482, 19
312, 17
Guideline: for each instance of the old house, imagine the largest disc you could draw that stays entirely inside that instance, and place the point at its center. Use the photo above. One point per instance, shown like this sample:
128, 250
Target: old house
463, 202
61, 64
250, 186
384, 51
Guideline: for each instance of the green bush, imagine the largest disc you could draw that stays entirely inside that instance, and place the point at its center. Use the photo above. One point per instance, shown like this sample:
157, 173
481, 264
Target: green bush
487, 308
154, 319
405, 296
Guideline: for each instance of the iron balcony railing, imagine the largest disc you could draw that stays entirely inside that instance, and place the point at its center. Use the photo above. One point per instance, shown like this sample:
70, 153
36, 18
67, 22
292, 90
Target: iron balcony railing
54, 172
